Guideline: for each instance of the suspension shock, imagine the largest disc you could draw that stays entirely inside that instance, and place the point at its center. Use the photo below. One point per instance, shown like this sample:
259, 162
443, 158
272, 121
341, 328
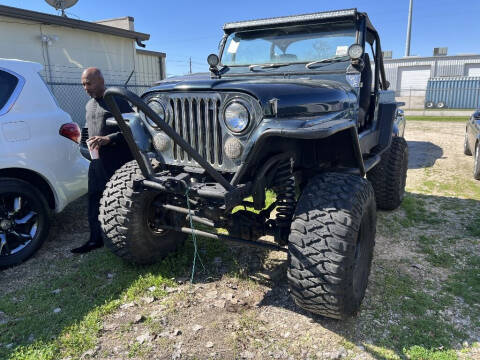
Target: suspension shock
284, 187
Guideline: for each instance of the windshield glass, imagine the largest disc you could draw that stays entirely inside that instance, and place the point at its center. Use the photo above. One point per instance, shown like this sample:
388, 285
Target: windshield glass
294, 44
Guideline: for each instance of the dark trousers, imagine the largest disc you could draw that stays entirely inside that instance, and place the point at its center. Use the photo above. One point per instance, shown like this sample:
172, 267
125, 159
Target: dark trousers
99, 172
97, 179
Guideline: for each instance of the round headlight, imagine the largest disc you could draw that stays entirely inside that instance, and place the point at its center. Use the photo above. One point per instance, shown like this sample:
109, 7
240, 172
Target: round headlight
158, 108
236, 117
355, 51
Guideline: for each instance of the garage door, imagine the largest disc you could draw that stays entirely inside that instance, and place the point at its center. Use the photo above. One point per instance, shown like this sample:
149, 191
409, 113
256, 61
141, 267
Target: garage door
472, 69
413, 80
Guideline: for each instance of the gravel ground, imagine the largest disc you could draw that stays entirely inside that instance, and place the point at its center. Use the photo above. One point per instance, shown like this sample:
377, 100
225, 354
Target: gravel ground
227, 318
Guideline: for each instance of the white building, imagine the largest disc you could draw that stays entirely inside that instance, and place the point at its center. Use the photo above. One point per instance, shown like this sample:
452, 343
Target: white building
67, 46
412, 73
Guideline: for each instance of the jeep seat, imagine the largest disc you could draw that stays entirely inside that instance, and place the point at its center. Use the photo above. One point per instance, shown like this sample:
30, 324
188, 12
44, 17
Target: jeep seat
365, 91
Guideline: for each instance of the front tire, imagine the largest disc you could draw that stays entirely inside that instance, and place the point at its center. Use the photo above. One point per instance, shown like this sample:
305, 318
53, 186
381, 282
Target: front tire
389, 176
128, 217
24, 221
331, 244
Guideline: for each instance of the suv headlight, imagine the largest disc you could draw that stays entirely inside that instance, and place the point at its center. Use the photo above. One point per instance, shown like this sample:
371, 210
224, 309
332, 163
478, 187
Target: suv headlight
236, 117
159, 109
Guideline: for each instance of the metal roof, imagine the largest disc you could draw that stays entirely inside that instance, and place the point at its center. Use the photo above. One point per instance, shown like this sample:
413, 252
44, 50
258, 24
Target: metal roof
149, 52
432, 58
294, 19
72, 23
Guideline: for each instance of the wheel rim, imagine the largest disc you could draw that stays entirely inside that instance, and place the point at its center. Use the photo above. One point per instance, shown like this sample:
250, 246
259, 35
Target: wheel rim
19, 223
157, 216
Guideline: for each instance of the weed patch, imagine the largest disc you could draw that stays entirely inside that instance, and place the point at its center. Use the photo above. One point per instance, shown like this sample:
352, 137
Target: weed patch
69, 307
465, 283
416, 212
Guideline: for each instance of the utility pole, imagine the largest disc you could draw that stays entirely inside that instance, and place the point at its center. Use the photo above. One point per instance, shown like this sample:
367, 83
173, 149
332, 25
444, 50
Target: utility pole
409, 30
190, 65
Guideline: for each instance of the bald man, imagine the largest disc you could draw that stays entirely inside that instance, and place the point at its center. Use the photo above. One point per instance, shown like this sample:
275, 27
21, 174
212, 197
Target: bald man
112, 148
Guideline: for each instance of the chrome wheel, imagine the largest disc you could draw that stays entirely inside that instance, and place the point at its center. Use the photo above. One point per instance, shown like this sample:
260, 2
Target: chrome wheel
18, 223
24, 221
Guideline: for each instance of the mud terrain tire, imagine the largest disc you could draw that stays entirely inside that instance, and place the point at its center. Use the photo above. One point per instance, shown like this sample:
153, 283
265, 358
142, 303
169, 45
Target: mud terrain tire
331, 244
124, 219
389, 176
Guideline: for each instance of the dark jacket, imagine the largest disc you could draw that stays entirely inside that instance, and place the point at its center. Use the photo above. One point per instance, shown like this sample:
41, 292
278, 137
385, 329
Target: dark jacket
116, 153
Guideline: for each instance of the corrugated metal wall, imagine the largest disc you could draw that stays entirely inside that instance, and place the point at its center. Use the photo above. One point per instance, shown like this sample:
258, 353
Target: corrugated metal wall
455, 93
440, 66
148, 68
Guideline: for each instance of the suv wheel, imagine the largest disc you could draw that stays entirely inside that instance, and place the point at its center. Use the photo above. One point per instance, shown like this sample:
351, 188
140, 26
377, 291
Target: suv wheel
331, 244
130, 220
389, 176
24, 221
466, 145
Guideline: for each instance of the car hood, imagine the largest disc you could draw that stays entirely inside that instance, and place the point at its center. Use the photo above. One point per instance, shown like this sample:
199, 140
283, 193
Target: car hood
295, 96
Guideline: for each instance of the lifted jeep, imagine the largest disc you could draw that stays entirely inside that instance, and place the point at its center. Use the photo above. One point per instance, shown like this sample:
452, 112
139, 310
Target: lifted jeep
291, 104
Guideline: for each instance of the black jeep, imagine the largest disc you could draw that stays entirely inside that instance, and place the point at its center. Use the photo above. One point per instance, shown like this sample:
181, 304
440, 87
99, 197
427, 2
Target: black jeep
291, 104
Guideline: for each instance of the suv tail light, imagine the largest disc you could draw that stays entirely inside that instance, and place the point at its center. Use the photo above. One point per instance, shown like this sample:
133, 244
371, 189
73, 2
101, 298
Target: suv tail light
71, 131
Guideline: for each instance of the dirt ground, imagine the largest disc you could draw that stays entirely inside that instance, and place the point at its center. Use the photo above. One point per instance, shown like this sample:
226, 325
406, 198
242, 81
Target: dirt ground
231, 318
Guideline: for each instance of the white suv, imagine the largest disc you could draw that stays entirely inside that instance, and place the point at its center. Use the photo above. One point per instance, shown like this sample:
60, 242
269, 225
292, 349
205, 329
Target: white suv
41, 169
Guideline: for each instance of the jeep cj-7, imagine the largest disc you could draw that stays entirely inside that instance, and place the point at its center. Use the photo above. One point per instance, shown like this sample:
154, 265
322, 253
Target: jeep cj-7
291, 104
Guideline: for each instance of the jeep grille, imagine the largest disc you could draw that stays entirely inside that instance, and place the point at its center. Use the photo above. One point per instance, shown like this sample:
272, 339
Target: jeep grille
195, 118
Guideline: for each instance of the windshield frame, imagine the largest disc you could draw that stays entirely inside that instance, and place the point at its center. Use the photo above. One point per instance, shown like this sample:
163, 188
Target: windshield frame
358, 38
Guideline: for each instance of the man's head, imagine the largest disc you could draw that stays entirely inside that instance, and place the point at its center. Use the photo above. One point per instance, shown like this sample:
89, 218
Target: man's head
93, 82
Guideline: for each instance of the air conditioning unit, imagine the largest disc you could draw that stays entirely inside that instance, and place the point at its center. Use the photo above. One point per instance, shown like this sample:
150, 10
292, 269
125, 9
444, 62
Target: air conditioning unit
440, 51
387, 54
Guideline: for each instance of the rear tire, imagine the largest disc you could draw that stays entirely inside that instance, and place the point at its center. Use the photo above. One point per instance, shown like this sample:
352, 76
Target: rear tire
389, 176
127, 218
331, 244
24, 221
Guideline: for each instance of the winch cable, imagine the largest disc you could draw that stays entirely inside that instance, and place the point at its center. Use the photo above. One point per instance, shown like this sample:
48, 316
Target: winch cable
194, 238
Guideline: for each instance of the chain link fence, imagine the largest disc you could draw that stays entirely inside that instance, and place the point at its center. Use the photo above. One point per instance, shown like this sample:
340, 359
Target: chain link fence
72, 98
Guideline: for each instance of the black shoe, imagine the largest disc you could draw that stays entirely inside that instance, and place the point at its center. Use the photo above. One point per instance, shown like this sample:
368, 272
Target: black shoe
87, 247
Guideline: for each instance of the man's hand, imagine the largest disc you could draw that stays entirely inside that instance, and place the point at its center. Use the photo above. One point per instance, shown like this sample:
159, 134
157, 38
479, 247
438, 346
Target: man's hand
97, 141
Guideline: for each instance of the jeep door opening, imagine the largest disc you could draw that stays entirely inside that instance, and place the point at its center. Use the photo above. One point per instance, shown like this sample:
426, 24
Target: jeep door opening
292, 105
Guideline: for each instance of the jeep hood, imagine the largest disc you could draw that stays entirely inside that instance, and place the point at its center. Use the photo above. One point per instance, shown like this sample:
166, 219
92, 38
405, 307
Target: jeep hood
296, 97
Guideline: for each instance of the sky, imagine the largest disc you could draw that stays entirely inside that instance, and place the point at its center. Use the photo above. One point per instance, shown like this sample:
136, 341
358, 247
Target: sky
192, 29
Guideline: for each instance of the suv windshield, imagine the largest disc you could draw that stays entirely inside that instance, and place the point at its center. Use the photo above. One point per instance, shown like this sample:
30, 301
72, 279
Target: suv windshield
288, 45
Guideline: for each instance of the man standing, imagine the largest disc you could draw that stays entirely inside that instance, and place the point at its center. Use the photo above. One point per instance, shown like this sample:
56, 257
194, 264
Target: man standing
112, 149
